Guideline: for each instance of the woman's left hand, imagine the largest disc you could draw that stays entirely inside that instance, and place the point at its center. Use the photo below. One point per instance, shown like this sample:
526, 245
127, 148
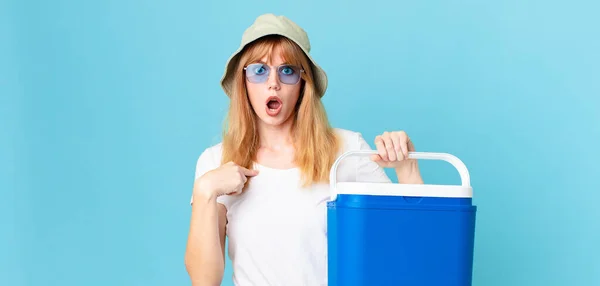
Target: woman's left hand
393, 148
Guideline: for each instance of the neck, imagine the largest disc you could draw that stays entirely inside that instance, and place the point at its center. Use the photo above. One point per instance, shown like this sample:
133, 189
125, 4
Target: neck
275, 137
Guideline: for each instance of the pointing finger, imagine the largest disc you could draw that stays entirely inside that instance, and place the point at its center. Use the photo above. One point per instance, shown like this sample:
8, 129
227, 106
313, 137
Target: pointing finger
248, 172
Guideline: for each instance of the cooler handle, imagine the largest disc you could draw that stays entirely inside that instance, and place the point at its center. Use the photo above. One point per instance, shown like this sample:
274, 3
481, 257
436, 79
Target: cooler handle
457, 163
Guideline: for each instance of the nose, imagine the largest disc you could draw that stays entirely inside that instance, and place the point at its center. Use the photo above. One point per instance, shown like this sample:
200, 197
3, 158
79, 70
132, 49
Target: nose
273, 80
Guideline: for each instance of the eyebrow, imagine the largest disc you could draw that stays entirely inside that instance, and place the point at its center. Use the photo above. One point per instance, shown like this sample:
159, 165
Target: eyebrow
264, 63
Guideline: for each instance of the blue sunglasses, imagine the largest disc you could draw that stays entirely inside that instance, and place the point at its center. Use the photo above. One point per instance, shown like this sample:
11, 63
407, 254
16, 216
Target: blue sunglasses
259, 73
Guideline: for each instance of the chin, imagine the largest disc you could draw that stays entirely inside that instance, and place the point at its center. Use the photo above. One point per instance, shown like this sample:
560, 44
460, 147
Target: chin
278, 120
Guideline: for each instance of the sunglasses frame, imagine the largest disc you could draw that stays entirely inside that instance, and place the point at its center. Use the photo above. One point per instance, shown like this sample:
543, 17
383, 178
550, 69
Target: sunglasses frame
276, 68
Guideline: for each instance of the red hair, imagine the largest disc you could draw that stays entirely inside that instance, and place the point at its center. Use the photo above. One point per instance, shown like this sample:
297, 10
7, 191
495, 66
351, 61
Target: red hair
316, 144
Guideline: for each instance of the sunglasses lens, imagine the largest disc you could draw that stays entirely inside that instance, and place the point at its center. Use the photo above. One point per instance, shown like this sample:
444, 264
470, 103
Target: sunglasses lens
289, 74
257, 73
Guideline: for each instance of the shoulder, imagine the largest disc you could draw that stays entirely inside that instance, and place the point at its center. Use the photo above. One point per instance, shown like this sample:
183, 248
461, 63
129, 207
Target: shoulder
209, 158
214, 150
351, 140
345, 133
358, 168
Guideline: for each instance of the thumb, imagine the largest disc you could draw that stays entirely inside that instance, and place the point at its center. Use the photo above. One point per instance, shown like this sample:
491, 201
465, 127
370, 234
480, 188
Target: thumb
375, 158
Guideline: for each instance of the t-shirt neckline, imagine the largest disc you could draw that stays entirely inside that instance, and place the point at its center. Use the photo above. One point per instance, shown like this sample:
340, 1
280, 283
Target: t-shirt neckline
263, 167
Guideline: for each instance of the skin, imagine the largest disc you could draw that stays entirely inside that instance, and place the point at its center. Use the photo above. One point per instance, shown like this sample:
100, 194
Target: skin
205, 252
276, 149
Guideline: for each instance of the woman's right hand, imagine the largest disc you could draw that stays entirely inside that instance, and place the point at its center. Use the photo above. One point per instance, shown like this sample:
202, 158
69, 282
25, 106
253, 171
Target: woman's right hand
228, 179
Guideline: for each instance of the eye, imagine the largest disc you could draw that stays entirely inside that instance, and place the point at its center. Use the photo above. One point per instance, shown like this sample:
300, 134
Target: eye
286, 70
260, 70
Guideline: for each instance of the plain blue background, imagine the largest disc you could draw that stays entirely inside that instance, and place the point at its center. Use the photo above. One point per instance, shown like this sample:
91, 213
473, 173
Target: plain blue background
105, 106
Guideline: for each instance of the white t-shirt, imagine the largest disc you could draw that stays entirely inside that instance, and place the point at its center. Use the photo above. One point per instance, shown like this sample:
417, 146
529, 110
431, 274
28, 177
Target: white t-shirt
277, 231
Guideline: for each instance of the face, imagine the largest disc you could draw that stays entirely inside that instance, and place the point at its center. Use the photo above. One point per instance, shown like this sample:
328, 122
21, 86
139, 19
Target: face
273, 89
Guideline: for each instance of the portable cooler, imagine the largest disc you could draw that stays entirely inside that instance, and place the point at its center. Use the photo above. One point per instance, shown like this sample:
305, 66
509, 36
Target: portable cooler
401, 234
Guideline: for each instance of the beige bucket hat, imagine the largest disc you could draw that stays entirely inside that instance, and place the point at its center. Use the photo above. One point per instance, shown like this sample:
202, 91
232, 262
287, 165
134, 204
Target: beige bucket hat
270, 24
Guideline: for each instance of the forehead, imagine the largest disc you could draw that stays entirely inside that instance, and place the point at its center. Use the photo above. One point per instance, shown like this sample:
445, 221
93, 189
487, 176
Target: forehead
274, 56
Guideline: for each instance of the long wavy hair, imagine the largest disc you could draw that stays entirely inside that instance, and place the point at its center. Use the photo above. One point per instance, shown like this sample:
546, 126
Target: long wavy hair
316, 144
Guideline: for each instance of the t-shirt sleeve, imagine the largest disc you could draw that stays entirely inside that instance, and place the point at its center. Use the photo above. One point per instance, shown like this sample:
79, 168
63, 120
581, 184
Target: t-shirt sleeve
207, 161
367, 170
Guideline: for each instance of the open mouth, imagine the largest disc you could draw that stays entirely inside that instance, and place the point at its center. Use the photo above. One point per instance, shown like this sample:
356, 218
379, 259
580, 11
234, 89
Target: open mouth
273, 105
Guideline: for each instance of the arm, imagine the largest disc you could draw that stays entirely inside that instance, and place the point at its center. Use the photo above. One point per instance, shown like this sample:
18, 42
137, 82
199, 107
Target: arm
205, 251
408, 173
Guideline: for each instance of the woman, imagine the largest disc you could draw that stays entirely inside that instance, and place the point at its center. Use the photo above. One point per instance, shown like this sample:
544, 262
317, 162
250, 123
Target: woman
265, 186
